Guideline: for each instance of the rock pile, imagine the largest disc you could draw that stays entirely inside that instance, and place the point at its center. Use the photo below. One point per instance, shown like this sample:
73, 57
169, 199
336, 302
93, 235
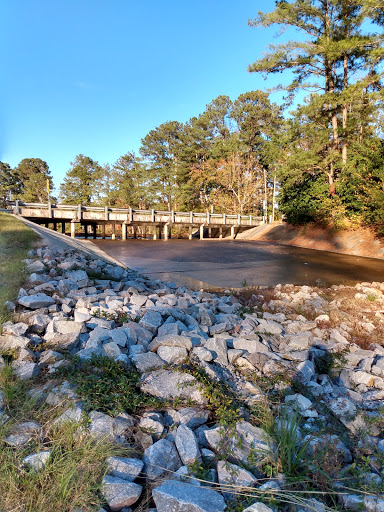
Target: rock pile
78, 306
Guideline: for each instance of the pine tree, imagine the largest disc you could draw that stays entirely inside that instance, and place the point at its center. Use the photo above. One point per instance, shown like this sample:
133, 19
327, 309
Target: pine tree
81, 184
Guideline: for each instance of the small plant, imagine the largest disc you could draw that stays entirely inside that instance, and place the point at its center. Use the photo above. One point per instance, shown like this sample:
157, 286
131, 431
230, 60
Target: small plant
244, 283
371, 297
118, 318
108, 386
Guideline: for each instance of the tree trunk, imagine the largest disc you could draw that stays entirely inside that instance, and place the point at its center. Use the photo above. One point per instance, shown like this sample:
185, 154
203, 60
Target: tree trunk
345, 114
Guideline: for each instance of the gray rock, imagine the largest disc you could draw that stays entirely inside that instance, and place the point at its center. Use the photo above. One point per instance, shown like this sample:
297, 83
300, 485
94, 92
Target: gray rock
39, 300
248, 441
203, 354
27, 370
152, 422
170, 341
18, 329
168, 384
173, 496
172, 355
124, 467
63, 341
138, 300
80, 277
342, 407
69, 327
112, 350
313, 505
218, 349
101, 426
151, 321
147, 361
11, 342
37, 461
258, 506
251, 345
186, 444
73, 414
119, 337
168, 329
232, 478
160, 459
120, 493
193, 417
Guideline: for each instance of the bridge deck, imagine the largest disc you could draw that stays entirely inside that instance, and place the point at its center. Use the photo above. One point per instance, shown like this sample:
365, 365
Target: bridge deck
125, 217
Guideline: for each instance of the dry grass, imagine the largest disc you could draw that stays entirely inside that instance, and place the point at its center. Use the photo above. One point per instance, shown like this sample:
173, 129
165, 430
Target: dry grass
15, 241
73, 474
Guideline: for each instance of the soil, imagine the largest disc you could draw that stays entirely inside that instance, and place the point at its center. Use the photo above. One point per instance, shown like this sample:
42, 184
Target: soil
359, 242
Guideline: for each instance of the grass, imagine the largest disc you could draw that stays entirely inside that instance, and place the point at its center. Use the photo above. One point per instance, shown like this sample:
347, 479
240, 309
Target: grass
16, 239
73, 474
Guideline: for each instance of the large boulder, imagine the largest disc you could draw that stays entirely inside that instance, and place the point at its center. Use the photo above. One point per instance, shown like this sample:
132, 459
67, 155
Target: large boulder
161, 459
120, 493
39, 300
172, 384
181, 497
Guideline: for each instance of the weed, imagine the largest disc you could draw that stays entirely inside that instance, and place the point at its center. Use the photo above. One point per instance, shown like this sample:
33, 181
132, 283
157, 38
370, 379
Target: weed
108, 386
118, 318
15, 241
221, 399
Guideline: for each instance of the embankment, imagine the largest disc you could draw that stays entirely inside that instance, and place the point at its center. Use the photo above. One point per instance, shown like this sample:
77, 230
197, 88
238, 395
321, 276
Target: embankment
359, 242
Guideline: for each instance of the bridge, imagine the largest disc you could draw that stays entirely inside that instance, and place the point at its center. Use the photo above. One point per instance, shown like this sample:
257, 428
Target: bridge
157, 224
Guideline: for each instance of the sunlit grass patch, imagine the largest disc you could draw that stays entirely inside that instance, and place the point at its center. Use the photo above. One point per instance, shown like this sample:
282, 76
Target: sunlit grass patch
16, 239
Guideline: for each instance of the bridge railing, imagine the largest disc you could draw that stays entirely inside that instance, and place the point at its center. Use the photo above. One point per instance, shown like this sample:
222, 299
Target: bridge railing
129, 215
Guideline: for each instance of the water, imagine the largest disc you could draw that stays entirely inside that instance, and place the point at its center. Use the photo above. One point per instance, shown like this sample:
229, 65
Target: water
235, 264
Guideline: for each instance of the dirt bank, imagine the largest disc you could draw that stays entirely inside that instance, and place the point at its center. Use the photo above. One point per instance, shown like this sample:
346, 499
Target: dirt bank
359, 242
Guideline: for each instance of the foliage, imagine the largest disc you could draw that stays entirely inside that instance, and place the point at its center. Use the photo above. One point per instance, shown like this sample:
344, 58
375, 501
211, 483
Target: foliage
9, 184
82, 182
15, 241
108, 386
340, 63
32, 175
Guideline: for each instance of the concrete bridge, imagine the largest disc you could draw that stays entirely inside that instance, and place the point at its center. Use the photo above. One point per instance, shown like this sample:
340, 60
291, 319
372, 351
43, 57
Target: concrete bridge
157, 224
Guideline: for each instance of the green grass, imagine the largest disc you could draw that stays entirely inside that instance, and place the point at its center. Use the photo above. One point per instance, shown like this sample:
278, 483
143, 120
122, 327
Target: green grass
73, 474
15, 241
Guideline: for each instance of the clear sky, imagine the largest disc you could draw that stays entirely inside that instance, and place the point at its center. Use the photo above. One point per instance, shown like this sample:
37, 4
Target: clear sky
95, 76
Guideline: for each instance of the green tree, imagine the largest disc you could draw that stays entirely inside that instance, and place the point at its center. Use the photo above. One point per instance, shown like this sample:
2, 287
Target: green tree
339, 60
83, 181
33, 174
9, 183
131, 186
162, 148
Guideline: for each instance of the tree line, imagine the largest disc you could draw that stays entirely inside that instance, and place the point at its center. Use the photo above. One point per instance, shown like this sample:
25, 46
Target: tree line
325, 159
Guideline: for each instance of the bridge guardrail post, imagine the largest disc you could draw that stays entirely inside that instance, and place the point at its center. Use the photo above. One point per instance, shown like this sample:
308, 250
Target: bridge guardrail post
130, 215
79, 212
250, 220
191, 217
106, 214
17, 208
152, 215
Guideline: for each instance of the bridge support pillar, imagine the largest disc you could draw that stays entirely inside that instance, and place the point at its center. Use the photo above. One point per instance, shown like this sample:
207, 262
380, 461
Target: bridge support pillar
134, 231
73, 229
232, 232
221, 232
190, 233
202, 232
94, 229
166, 232
209, 232
113, 231
123, 231
103, 231
55, 226
179, 231
154, 233
144, 233
63, 228
85, 231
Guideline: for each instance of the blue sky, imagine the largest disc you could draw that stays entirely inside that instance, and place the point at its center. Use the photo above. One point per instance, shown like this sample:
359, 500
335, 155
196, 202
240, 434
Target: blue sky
95, 76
